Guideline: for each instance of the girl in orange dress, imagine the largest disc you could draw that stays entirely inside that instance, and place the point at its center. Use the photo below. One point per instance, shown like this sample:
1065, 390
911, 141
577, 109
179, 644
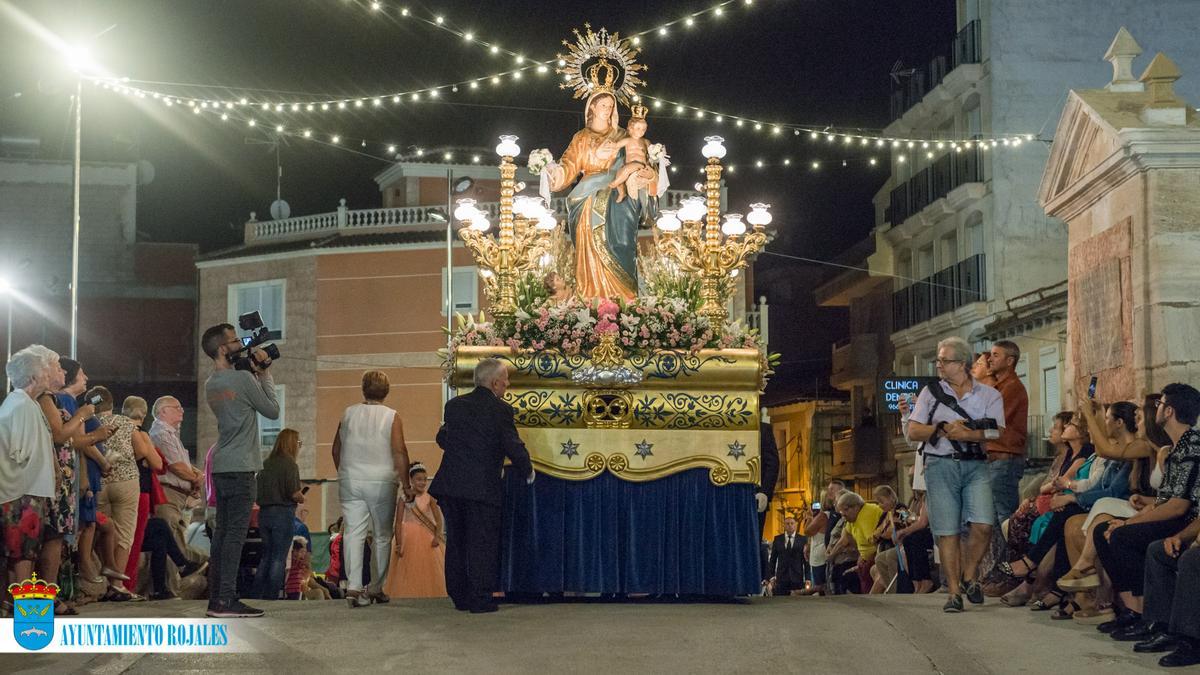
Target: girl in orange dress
418, 567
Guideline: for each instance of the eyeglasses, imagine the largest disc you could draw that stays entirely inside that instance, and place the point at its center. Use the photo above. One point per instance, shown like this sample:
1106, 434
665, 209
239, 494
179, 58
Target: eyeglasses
945, 362
1159, 403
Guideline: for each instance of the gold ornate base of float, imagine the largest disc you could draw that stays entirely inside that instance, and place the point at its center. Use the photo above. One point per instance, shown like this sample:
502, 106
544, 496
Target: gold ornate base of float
677, 411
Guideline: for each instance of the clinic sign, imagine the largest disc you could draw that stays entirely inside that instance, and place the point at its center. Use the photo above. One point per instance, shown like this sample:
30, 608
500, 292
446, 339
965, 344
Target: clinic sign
891, 389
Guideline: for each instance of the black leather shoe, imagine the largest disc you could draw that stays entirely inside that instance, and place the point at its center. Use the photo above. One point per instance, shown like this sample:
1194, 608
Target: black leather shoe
485, 609
1123, 619
1186, 654
1159, 643
1139, 632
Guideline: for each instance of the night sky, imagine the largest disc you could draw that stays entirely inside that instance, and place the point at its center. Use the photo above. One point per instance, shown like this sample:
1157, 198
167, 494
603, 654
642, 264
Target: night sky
810, 62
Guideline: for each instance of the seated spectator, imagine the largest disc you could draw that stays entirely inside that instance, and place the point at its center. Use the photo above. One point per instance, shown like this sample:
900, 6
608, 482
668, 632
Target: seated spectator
859, 532
159, 541
1173, 598
1122, 547
1120, 421
841, 563
301, 582
887, 562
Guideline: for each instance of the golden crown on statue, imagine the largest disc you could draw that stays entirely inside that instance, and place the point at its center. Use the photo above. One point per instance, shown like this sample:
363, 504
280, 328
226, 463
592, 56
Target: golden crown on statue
638, 112
598, 61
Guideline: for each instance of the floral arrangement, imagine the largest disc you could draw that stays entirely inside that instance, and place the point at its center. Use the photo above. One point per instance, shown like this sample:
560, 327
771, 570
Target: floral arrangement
647, 323
656, 153
538, 160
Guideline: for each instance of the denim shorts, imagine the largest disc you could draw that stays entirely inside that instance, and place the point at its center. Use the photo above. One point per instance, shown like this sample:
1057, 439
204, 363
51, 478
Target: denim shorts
959, 492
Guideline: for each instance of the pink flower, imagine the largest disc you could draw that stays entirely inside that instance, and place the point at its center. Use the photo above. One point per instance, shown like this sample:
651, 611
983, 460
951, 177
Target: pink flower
604, 327
607, 309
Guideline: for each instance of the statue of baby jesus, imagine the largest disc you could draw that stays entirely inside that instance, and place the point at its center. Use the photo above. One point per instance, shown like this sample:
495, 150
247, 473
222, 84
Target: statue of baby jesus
636, 172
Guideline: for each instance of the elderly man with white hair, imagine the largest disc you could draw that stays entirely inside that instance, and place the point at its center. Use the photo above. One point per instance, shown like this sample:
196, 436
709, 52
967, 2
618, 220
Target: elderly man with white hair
27, 463
477, 433
951, 420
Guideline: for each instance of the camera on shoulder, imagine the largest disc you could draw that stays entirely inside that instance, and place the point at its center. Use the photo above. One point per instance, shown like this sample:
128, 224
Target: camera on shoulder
259, 338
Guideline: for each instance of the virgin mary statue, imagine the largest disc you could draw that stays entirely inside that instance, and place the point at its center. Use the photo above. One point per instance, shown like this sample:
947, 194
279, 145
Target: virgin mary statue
603, 230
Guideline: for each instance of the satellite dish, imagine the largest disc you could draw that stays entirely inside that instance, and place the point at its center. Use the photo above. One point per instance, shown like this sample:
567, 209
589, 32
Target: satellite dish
463, 184
145, 172
280, 210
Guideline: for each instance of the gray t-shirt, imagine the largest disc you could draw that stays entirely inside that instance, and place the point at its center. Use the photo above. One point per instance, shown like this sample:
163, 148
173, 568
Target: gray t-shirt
236, 398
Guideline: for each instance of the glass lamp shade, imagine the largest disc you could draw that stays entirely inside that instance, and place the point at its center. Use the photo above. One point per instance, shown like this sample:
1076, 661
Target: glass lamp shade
465, 209
714, 147
733, 225
692, 209
668, 221
760, 214
508, 146
523, 206
481, 223
547, 221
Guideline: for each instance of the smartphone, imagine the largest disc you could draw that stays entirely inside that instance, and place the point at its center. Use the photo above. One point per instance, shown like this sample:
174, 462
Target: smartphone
816, 507
95, 400
1092, 388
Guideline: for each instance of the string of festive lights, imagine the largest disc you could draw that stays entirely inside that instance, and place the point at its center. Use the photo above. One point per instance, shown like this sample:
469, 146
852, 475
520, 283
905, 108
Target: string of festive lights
440, 21
391, 151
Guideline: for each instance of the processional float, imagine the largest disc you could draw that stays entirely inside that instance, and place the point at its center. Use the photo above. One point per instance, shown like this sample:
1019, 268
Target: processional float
637, 397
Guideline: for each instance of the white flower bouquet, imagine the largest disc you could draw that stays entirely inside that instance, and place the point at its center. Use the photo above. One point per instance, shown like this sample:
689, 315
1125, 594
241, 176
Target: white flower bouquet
656, 152
538, 159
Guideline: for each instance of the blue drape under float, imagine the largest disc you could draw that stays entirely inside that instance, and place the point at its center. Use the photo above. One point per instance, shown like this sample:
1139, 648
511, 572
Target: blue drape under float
676, 535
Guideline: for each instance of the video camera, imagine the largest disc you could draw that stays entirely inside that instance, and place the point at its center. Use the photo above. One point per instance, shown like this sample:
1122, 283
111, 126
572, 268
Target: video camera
260, 335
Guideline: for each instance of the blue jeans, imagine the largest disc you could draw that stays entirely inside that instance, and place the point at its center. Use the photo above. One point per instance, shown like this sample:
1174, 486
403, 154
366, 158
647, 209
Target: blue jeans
1005, 475
275, 525
959, 492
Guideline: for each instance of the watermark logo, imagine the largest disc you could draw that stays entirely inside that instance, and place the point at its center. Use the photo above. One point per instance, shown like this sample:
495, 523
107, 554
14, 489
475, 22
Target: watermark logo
33, 613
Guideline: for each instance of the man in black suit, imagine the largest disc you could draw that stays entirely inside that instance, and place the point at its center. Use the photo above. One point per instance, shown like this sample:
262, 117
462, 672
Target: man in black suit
787, 559
768, 453
477, 433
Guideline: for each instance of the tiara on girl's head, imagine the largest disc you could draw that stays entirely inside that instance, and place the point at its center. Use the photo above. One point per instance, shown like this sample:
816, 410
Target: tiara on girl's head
415, 467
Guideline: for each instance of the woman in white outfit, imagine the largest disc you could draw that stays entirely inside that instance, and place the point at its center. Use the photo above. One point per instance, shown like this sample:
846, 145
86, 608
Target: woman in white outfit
372, 463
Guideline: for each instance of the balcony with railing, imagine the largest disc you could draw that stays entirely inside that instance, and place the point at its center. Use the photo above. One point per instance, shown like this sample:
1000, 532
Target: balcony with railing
855, 361
960, 284
860, 453
344, 220
965, 48
936, 181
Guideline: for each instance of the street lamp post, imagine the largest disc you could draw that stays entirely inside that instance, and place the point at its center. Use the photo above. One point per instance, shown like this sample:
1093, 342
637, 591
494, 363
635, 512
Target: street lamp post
7, 291
75, 220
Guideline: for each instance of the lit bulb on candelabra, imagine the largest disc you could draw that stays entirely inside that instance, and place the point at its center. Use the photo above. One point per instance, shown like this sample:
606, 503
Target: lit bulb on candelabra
692, 209
465, 210
525, 207
733, 225
668, 221
480, 223
760, 214
547, 221
714, 147
508, 147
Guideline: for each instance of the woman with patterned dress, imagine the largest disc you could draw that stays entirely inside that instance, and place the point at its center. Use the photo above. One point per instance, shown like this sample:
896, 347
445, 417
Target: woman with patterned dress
61, 516
418, 567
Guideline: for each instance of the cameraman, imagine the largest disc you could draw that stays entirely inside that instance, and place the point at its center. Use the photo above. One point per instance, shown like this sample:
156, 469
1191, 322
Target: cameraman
236, 398
952, 425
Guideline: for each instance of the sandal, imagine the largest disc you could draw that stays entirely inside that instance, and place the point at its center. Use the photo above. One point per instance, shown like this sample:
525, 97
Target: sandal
1065, 611
1040, 605
1016, 598
1006, 569
64, 608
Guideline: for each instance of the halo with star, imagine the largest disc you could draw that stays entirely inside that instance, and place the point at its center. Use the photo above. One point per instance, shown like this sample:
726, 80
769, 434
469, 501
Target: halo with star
601, 46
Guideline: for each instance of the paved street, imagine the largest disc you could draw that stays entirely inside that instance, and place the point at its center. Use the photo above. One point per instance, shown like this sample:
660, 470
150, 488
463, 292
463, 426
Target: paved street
904, 634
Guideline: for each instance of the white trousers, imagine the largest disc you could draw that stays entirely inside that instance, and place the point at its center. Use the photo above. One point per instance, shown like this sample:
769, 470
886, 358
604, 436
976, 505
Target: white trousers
367, 504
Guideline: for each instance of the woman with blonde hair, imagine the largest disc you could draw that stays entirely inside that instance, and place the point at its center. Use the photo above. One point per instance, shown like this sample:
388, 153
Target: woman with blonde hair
279, 492
372, 463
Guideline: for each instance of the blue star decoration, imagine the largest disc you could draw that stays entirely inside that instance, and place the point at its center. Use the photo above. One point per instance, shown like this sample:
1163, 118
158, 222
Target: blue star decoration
737, 449
643, 449
570, 448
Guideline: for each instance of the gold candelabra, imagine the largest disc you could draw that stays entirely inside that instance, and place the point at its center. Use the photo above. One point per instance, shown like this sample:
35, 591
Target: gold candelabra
523, 235
696, 240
